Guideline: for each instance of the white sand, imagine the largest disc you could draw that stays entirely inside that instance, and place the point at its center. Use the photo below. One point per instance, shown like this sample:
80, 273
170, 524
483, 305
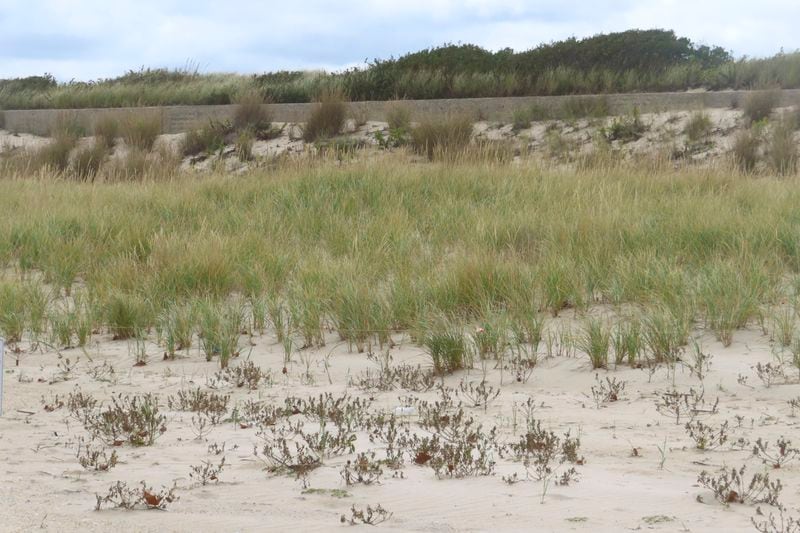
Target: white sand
42, 485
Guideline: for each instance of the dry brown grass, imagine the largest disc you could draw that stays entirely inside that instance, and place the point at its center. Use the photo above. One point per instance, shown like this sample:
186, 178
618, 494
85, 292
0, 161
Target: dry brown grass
141, 131
251, 113
442, 138
106, 130
327, 119
759, 105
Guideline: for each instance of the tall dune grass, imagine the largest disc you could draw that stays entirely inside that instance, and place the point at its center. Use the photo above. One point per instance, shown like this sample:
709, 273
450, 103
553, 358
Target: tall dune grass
378, 246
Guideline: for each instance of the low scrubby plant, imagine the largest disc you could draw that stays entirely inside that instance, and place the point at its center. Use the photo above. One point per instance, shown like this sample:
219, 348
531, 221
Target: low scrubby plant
607, 391
371, 516
120, 496
211, 404
206, 472
95, 458
782, 454
783, 522
133, 419
674, 403
707, 437
545, 456
245, 375
730, 486
364, 470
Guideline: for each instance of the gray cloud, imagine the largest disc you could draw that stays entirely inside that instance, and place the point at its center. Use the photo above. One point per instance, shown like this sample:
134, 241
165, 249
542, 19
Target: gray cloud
88, 39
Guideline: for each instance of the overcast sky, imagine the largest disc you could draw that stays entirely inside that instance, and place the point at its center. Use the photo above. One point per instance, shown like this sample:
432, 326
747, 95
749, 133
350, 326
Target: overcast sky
89, 39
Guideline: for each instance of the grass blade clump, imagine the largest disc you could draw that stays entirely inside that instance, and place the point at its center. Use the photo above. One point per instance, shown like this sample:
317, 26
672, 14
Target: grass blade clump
87, 161
127, 315
221, 326
327, 118
398, 116
141, 131
106, 131
698, 128
730, 294
746, 148
447, 346
782, 149
442, 138
251, 113
759, 105
595, 342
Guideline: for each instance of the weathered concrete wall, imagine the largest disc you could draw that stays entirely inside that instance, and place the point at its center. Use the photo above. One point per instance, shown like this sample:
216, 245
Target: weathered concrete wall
176, 119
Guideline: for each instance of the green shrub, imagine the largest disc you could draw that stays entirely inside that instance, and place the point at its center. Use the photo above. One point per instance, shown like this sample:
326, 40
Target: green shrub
327, 118
760, 104
445, 137
141, 131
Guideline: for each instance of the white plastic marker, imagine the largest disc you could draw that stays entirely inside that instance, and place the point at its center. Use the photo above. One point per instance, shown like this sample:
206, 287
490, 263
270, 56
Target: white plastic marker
2, 372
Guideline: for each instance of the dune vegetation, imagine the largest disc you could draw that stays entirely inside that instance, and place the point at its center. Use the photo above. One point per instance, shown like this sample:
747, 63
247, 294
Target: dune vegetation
376, 247
630, 61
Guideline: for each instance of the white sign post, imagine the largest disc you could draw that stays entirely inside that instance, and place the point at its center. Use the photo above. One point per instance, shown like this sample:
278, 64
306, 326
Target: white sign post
2, 372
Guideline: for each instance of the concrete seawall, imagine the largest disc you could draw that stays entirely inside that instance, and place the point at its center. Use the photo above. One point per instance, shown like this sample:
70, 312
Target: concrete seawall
177, 119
